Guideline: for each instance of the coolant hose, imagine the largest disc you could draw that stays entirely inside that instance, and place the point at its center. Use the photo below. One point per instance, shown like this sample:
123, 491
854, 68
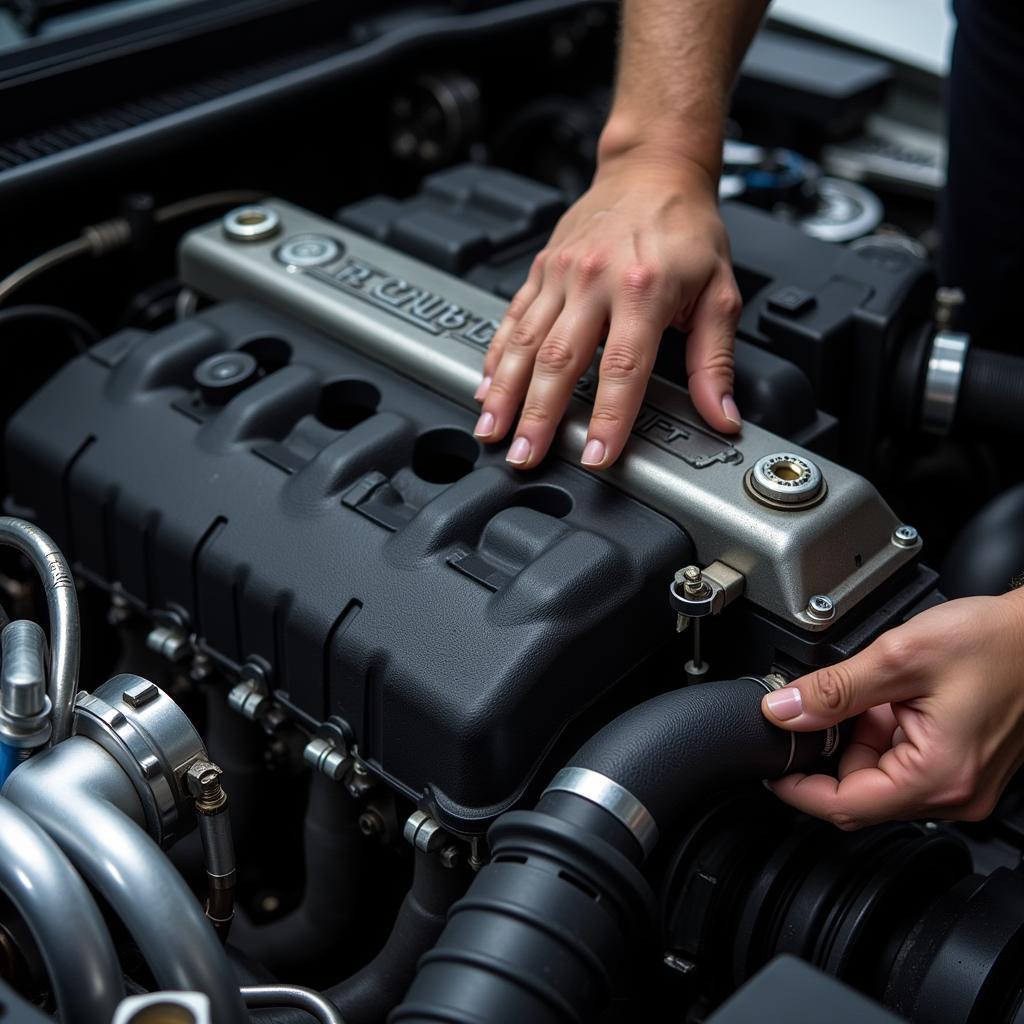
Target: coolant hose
63, 918
549, 924
990, 404
90, 807
367, 995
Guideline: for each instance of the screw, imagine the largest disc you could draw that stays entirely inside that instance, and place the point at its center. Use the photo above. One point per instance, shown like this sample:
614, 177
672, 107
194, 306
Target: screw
905, 536
270, 904
371, 823
451, 856
821, 607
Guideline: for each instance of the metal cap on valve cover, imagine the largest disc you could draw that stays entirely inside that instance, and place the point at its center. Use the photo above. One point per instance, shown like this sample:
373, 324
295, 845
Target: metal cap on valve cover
786, 480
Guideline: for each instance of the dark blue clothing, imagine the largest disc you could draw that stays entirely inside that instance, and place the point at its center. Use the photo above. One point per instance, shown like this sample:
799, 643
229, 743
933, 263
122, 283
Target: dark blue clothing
983, 212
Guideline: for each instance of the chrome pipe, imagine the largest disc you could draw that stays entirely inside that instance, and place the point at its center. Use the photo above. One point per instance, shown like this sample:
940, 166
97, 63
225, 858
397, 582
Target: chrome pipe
90, 807
62, 916
62, 605
294, 996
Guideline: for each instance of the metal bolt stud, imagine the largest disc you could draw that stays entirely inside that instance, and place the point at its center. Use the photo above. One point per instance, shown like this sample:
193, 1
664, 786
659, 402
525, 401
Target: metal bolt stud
821, 607
905, 536
694, 584
371, 823
324, 757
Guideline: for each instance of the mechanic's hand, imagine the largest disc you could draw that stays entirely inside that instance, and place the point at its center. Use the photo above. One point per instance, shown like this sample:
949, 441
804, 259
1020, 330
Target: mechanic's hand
642, 249
941, 726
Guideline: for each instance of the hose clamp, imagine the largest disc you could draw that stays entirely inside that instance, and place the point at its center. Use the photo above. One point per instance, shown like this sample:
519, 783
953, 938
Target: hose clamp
152, 740
611, 797
942, 380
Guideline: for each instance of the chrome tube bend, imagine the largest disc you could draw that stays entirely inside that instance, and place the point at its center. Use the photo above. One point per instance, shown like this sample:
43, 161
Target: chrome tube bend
63, 918
90, 808
62, 604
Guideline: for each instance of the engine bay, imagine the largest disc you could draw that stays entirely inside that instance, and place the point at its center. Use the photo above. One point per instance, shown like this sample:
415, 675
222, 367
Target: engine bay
313, 708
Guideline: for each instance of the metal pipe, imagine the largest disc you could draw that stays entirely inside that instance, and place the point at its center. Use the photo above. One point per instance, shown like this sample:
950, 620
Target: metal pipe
292, 996
88, 804
63, 918
62, 604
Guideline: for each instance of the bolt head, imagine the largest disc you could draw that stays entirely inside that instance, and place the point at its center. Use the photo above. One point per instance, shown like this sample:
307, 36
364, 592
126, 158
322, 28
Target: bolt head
821, 607
692, 574
451, 857
905, 536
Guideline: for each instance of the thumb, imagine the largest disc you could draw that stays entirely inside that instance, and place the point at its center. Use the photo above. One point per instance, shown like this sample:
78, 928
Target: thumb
840, 691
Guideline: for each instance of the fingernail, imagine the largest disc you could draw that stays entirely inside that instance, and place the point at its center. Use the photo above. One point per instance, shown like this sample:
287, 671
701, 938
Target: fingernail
732, 414
785, 704
519, 452
481, 392
593, 453
485, 425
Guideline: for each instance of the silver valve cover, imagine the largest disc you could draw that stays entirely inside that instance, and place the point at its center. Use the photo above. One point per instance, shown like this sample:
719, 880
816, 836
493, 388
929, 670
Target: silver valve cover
435, 328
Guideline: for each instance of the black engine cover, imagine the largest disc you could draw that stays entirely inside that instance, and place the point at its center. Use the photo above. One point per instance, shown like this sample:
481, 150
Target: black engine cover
310, 508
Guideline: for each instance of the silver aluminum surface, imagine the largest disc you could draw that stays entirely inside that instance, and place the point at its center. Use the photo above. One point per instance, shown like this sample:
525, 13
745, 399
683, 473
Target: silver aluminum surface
434, 328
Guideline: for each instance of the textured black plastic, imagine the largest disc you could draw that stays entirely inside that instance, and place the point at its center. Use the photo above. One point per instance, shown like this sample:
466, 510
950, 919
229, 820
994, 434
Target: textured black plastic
671, 749
339, 522
544, 933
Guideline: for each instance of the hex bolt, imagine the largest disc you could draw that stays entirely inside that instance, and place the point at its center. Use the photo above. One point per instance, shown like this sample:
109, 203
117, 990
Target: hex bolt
821, 607
371, 823
905, 536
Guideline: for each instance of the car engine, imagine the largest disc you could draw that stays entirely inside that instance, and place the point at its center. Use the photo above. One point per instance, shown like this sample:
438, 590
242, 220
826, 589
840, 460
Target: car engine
311, 708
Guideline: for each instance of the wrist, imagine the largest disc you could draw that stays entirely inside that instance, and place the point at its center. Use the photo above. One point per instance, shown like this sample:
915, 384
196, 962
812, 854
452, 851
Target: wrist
659, 148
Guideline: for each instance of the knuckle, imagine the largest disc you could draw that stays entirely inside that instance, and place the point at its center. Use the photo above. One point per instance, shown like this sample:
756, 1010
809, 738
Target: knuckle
606, 415
535, 413
500, 389
563, 261
522, 336
519, 305
592, 266
833, 687
730, 303
620, 363
539, 260
639, 279
895, 651
555, 355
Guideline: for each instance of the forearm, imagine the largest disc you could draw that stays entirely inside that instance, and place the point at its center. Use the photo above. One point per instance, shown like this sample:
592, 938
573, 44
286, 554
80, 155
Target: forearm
677, 63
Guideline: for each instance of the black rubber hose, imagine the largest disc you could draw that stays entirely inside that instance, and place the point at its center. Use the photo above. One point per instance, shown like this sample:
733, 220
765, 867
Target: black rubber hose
990, 404
551, 923
371, 992
333, 846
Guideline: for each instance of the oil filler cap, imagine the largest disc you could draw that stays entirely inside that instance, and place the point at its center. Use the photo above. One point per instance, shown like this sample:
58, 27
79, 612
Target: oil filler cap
223, 375
785, 480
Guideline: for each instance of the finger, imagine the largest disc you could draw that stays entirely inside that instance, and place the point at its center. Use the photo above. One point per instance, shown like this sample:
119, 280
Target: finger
864, 797
886, 671
709, 352
561, 360
512, 375
521, 302
638, 322
870, 739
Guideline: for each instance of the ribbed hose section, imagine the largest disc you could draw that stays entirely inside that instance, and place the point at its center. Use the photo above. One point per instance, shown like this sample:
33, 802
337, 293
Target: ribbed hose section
542, 935
556, 916
991, 400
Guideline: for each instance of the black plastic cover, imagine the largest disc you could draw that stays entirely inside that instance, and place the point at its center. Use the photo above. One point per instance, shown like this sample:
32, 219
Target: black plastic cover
340, 522
788, 991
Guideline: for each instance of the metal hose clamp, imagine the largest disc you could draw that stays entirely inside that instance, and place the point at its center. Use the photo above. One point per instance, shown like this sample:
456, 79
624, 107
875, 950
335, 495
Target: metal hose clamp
152, 740
611, 797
